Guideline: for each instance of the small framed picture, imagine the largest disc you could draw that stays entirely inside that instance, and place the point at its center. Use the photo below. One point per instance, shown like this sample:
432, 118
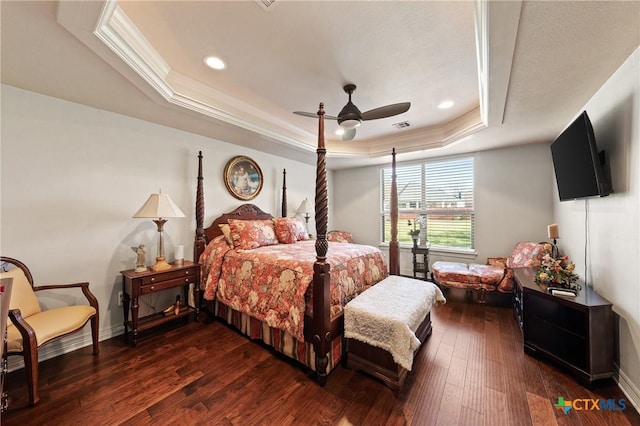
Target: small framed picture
243, 178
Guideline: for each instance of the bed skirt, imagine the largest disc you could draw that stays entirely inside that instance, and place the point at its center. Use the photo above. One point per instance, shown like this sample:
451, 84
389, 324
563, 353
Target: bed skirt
279, 340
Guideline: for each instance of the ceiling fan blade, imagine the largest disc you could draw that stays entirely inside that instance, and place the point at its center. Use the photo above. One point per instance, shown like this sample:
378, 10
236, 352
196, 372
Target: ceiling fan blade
349, 134
386, 111
314, 115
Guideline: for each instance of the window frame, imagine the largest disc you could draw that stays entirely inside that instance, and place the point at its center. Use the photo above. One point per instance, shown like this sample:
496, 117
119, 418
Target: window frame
466, 192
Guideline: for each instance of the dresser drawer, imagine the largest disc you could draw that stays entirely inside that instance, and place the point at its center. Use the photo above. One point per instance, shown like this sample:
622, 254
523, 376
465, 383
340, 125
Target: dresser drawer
157, 286
168, 276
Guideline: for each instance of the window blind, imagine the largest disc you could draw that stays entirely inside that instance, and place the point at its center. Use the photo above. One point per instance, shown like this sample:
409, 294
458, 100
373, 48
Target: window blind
435, 198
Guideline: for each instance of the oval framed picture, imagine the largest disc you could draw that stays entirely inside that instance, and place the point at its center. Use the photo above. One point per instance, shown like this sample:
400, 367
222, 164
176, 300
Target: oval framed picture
243, 178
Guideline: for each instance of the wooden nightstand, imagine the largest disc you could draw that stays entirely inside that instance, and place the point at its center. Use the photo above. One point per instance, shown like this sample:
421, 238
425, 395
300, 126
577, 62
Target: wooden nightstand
136, 284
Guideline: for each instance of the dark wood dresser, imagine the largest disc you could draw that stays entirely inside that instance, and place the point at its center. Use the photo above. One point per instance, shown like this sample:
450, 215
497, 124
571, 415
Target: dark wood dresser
576, 333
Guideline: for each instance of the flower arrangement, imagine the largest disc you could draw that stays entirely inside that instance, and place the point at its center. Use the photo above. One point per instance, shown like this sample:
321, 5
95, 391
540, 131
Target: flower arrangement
556, 272
415, 232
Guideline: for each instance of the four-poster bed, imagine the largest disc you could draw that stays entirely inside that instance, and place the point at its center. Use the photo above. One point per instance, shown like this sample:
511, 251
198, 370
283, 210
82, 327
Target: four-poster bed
337, 272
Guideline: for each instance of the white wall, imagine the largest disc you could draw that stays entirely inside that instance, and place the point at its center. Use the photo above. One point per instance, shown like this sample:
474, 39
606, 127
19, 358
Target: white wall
512, 198
72, 177
613, 230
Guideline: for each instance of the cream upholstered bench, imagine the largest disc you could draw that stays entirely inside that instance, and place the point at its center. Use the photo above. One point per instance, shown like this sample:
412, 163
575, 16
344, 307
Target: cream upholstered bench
385, 326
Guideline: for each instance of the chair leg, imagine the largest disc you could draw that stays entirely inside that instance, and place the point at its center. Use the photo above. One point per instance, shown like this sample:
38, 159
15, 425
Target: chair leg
31, 368
94, 334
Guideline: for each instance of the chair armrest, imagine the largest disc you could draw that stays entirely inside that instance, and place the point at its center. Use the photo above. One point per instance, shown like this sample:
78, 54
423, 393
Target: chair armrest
84, 286
29, 341
497, 261
507, 282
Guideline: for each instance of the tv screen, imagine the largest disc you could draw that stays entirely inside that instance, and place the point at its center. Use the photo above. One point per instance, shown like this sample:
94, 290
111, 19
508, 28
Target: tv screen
578, 168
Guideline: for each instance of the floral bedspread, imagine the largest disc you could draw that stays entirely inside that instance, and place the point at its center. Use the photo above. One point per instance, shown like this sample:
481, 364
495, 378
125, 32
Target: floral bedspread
271, 283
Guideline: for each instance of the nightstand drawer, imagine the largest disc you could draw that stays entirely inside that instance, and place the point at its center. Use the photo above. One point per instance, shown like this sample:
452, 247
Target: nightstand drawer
149, 288
166, 276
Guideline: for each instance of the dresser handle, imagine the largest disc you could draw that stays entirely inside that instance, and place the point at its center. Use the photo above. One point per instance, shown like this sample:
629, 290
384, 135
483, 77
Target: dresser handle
152, 288
186, 272
186, 280
152, 279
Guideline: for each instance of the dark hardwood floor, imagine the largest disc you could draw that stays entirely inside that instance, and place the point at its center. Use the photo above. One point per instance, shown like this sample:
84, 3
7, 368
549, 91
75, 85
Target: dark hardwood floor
471, 371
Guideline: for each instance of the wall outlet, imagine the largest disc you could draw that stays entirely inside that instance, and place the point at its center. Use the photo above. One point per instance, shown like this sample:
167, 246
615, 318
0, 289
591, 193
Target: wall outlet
119, 298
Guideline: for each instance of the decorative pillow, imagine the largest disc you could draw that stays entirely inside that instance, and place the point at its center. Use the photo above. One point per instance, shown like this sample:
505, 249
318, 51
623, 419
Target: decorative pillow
500, 262
290, 229
340, 236
250, 234
526, 254
226, 231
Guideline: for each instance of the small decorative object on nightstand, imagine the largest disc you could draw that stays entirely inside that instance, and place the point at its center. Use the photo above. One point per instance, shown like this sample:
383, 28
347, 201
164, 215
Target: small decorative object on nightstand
141, 260
136, 284
179, 256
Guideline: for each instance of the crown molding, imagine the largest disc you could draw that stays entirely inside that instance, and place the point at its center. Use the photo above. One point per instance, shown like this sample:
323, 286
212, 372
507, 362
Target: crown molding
416, 140
108, 31
496, 27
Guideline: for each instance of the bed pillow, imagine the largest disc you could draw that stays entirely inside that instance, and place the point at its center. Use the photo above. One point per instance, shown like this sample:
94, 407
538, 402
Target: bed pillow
250, 234
340, 236
226, 231
290, 229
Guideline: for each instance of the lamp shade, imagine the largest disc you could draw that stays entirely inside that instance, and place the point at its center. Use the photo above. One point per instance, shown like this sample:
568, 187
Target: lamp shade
159, 206
552, 231
305, 207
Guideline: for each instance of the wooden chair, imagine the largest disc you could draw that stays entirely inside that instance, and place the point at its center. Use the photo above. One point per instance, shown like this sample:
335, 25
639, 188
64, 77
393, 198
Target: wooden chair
32, 327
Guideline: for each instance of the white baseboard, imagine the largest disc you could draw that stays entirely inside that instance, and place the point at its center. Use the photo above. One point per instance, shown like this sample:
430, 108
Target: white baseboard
66, 345
629, 389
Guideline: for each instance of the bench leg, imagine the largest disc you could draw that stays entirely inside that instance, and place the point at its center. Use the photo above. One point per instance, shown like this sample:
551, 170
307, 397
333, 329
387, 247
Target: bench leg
482, 296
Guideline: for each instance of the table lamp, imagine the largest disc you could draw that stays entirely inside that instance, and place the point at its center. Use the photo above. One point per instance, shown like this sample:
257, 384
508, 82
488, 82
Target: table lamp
159, 207
305, 209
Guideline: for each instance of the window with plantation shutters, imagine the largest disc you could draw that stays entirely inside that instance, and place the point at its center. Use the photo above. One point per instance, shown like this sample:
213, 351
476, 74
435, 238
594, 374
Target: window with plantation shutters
435, 200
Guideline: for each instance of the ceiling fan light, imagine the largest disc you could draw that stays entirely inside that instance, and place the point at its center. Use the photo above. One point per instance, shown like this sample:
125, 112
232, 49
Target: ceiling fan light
350, 124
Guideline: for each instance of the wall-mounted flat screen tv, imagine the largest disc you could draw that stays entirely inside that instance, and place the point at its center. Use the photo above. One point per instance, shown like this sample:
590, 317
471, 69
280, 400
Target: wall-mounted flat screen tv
577, 163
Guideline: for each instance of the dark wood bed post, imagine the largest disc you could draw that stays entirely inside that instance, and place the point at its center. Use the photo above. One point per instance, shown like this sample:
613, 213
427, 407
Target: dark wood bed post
394, 250
284, 193
200, 242
321, 269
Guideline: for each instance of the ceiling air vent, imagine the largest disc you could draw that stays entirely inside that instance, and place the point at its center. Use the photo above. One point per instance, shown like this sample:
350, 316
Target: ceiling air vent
267, 5
402, 125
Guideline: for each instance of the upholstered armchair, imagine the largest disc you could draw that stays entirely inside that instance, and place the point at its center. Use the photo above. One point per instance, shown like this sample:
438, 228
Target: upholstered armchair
31, 327
496, 275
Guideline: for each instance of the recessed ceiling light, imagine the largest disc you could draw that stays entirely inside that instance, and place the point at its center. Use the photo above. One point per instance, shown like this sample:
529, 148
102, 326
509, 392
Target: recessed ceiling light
340, 132
445, 104
215, 63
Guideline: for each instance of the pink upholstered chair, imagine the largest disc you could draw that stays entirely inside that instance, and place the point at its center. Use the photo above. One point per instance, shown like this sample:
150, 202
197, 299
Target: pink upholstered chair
496, 275
340, 236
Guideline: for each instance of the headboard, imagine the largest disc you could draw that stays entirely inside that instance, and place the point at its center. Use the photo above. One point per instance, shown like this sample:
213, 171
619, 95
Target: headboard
244, 212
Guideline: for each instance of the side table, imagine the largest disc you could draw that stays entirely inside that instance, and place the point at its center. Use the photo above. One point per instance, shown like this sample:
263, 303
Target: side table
136, 284
420, 267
